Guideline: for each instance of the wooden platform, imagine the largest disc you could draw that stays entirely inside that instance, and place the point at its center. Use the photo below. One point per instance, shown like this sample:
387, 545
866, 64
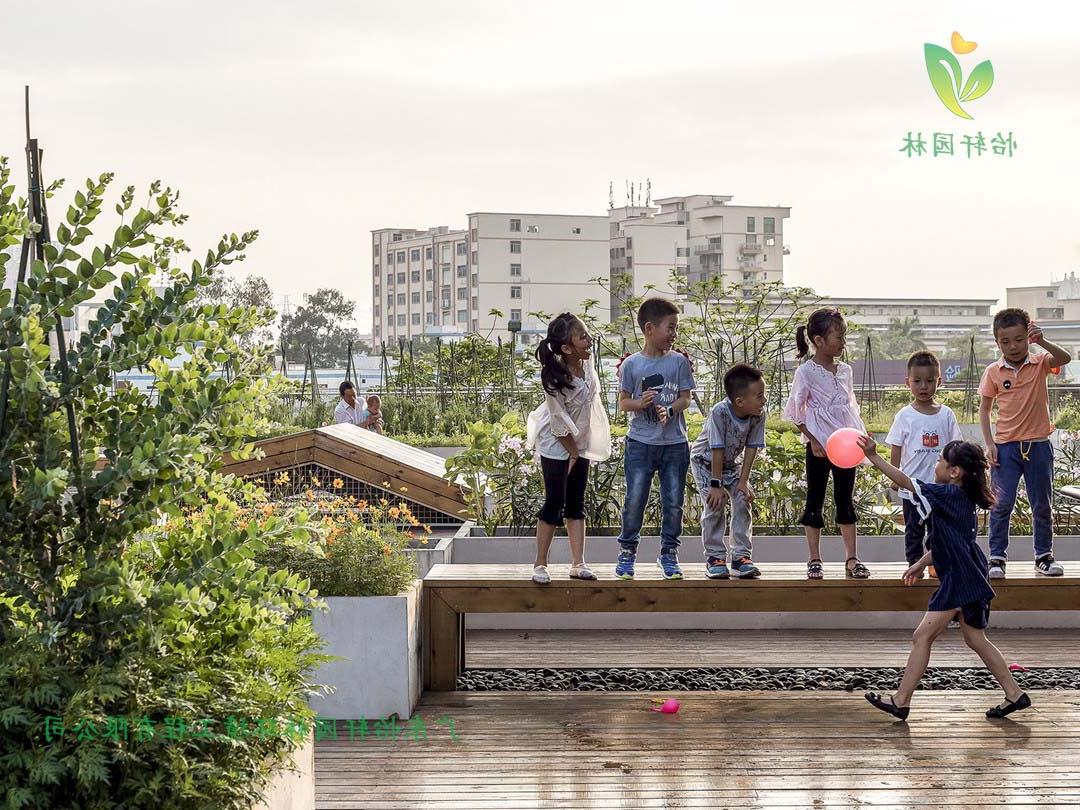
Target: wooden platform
452, 591
395, 468
757, 749
489, 649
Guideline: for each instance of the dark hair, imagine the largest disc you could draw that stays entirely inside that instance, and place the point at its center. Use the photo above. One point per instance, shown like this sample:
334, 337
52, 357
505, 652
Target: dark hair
1012, 316
923, 358
972, 460
654, 310
819, 323
554, 375
740, 377
345, 386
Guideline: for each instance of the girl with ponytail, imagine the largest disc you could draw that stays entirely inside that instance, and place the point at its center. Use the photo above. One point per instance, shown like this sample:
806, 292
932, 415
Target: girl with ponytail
568, 430
961, 485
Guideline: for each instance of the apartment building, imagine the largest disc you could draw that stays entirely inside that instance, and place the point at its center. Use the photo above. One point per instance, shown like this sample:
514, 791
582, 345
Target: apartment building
444, 283
939, 318
702, 236
1056, 307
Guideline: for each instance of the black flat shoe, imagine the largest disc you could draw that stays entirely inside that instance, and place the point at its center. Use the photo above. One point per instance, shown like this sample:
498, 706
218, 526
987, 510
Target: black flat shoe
1009, 706
878, 702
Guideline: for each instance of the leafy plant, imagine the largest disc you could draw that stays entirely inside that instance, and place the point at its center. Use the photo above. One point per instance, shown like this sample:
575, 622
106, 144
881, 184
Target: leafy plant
106, 611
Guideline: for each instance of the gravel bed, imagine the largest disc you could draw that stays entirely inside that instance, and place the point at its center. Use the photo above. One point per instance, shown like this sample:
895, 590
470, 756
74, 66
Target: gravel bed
715, 679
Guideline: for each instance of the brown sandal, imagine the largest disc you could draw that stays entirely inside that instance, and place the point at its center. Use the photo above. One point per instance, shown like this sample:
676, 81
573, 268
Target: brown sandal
814, 570
856, 571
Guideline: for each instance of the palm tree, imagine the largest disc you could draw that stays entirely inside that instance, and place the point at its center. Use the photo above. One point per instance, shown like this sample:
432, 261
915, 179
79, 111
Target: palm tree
903, 336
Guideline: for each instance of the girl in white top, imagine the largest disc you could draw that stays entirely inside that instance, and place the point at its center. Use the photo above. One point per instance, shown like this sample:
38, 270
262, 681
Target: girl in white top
823, 401
568, 430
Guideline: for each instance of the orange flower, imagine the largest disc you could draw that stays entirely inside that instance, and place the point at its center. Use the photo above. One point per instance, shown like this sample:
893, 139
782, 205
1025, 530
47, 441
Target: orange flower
403, 489
394, 512
309, 495
424, 541
387, 550
268, 509
315, 480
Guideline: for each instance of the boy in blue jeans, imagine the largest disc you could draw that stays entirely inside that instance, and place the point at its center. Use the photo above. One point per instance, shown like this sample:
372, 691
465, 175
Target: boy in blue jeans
1019, 447
655, 385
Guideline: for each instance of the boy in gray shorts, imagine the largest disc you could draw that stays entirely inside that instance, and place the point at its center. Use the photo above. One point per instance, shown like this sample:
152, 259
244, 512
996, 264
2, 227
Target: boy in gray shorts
734, 428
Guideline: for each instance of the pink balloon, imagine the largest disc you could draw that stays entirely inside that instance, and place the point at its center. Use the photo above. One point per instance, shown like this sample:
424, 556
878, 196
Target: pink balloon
843, 449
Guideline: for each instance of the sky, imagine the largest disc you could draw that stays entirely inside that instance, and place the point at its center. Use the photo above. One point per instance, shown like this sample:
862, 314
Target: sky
316, 123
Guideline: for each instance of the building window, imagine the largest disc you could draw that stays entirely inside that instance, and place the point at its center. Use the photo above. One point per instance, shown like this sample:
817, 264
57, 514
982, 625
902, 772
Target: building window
515, 269
1049, 293
462, 316
515, 292
414, 255
390, 299
375, 251
427, 252
515, 226
515, 315
378, 290
747, 276
378, 311
770, 241
415, 276
462, 249
769, 224
429, 296
515, 246
400, 320
431, 318
475, 258
533, 229
396, 237
751, 239
462, 270
629, 242
575, 230
378, 330
747, 293
681, 252
429, 274
462, 293
629, 261
400, 278
401, 299
415, 298
390, 257
401, 257
750, 225
765, 257
475, 302
416, 319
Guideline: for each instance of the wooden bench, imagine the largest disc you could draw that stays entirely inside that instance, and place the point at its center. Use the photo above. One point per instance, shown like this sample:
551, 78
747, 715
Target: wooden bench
452, 591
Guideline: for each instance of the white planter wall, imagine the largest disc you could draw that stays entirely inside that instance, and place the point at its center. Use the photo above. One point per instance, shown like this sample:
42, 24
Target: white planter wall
378, 641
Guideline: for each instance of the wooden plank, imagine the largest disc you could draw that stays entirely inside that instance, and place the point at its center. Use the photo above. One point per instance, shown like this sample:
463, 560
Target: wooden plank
278, 461
376, 477
395, 469
443, 639
754, 648
391, 449
280, 445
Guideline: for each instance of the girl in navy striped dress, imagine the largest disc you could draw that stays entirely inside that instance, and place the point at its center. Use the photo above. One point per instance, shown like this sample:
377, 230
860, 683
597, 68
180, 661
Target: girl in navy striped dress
960, 485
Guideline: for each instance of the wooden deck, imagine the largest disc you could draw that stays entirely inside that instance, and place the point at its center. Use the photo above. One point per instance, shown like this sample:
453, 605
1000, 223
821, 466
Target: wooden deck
735, 750
757, 648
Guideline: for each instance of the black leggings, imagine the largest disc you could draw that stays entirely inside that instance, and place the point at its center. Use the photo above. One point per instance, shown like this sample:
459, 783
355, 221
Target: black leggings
564, 495
817, 479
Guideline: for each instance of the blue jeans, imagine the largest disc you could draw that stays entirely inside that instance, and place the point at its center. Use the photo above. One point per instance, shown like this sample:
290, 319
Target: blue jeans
1037, 471
641, 461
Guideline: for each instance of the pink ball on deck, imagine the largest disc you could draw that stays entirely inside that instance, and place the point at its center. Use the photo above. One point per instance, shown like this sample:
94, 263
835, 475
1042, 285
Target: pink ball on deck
843, 449
669, 706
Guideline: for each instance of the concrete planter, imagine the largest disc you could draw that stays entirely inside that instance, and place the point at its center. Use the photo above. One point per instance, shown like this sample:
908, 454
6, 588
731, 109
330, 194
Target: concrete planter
431, 554
293, 787
378, 641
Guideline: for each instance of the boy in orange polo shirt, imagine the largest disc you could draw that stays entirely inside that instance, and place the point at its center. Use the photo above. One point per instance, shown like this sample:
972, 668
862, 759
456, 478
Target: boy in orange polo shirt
1020, 445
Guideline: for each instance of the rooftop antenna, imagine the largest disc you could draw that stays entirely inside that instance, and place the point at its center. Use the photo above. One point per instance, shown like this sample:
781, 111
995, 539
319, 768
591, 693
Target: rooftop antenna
610, 194
648, 192
629, 200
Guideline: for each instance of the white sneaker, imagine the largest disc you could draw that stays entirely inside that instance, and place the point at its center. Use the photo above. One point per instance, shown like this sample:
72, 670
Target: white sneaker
1047, 566
997, 569
581, 572
540, 575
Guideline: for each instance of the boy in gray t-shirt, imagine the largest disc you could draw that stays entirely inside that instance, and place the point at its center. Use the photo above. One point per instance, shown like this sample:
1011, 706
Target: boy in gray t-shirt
735, 428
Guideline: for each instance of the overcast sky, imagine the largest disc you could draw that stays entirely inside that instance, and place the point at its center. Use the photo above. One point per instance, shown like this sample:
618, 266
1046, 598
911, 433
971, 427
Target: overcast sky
317, 122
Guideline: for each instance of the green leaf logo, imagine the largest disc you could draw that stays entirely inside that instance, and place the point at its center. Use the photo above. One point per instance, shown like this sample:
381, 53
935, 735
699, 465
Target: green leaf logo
947, 78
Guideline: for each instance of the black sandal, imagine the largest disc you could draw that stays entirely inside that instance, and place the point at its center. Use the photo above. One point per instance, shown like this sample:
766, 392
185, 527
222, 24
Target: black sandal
1009, 706
814, 570
876, 700
856, 571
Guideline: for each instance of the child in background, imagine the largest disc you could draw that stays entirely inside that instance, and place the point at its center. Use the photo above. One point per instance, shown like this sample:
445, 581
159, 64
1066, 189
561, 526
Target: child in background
374, 413
735, 427
918, 433
823, 401
948, 504
655, 386
1020, 445
568, 430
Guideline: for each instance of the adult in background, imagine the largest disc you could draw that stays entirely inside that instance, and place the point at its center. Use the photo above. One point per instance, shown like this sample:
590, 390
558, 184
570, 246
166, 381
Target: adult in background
349, 410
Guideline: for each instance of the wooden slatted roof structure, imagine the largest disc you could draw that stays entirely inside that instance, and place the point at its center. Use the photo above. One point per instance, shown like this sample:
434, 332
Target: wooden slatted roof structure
372, 466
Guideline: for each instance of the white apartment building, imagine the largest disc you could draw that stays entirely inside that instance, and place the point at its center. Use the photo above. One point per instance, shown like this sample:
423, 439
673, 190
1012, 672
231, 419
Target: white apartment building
1056, 308
444, 283
703, 236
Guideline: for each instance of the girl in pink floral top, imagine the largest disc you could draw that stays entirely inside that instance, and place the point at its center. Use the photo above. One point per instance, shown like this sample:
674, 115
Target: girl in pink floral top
823, 401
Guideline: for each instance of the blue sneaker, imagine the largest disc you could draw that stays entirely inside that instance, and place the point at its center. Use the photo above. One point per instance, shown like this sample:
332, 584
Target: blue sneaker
715, 568
624, 568
669, 564
744, 568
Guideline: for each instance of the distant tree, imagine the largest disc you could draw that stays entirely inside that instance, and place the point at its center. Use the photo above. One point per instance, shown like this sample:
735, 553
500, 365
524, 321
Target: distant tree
856, 342
958, 347
253, 291
319, 324
902, 337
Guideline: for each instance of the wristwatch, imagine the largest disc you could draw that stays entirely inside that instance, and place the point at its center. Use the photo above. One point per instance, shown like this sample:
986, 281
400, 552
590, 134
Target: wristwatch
714, 483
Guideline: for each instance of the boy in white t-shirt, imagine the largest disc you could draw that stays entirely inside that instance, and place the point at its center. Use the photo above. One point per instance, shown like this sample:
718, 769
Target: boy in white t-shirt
919, 432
